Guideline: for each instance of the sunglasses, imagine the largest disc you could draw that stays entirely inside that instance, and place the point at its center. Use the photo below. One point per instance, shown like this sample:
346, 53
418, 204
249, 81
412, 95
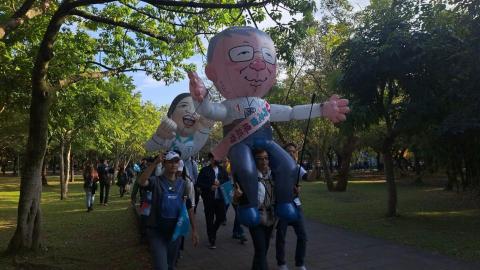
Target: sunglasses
261, 158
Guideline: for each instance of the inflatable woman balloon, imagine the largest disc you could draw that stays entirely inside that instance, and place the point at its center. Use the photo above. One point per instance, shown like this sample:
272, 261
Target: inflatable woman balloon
182, 129
241, 62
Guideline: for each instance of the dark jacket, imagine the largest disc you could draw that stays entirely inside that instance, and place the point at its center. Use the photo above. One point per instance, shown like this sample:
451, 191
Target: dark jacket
206, 178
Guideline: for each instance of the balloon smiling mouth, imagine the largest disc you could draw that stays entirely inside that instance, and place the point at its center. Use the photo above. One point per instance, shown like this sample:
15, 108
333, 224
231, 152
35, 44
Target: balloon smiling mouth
255, 80
188, 120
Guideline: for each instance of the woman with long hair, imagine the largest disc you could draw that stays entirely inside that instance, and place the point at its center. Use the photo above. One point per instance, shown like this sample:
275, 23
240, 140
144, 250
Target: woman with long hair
90, 178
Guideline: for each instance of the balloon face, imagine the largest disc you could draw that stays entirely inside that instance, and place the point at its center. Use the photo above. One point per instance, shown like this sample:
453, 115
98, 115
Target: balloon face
243, 65
185, 117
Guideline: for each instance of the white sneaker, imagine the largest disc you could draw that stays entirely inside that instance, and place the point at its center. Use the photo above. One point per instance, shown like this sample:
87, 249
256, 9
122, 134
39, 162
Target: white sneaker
301, 268
282, 267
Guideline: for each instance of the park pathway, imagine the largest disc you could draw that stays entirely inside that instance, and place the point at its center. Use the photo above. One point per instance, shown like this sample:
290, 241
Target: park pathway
328, 248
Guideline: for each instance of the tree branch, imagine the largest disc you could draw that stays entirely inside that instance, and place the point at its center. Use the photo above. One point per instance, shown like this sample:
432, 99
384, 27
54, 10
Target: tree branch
245, 4
83, 76
271, 17
25, 12
108, 21
151, 16
101, 65
93, 75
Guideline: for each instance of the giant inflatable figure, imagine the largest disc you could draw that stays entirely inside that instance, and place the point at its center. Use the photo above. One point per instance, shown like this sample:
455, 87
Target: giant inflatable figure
241, 62
182, 129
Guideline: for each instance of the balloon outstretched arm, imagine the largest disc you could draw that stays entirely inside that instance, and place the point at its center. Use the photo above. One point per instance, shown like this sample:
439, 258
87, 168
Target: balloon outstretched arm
334, 109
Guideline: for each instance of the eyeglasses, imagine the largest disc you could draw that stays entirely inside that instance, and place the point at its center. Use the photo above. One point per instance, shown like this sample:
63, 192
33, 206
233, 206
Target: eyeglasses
246, 53
261, 158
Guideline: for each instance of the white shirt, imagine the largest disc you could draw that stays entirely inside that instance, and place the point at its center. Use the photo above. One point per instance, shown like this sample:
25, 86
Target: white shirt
261, 187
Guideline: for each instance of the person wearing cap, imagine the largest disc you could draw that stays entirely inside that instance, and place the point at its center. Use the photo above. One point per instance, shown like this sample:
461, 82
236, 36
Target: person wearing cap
209, 180
168, 194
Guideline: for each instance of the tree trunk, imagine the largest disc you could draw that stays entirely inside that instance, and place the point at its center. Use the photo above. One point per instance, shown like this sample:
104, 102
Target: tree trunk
54, 165
72, 168
344, 171
44, 172
27, 233
65, 149
379, 165
326, 170
16, 165
390, 175
66, 169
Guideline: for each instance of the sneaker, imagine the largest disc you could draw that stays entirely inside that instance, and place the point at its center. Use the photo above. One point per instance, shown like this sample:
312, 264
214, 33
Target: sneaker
282, 267
212, 246
301, 267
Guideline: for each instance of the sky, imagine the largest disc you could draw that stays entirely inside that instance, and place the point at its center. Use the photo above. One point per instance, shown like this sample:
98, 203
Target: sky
160, 94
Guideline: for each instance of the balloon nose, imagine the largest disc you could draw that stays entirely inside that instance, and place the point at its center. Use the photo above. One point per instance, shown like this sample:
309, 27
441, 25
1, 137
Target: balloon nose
257, 64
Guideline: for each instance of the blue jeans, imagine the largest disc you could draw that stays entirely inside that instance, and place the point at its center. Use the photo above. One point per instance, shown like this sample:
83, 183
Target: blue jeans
299, 227
89, 197
237, 227
164, 252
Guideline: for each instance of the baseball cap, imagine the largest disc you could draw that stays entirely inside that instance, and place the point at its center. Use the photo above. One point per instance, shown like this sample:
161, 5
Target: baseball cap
170, 155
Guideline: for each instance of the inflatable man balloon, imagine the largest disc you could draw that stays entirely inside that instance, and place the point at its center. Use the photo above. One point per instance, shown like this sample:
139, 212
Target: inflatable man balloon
242, 62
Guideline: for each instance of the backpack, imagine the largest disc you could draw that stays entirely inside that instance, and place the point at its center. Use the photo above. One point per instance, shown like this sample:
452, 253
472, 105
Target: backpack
170, 207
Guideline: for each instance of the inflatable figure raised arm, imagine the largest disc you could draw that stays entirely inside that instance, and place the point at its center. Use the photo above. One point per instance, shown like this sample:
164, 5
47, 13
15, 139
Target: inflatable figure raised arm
241, 62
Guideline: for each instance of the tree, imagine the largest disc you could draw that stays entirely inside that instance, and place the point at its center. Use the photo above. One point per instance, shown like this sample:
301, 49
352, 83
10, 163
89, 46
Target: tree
149, 35
378, 63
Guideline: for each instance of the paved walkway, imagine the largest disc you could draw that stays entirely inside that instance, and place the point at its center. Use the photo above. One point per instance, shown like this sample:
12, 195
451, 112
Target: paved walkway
328, 248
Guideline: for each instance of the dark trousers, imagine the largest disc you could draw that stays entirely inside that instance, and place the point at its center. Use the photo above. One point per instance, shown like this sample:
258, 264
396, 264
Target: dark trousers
214, 216
261, 240
164, 252
299, 227
104, 190
142, 226
122, 189
237, 227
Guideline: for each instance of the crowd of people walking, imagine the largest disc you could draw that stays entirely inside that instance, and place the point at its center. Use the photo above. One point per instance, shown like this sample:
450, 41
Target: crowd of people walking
160, 186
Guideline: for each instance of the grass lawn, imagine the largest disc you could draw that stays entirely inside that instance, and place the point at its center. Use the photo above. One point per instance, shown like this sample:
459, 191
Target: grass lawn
430, 218
106, 238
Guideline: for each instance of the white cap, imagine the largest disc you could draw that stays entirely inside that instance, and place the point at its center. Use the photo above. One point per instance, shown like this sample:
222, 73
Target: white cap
171, 155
